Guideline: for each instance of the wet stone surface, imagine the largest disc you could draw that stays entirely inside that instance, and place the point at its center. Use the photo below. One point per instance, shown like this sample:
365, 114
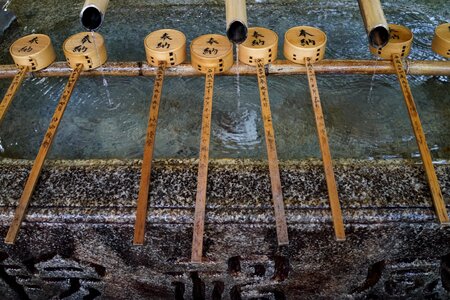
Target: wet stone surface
6, 19
76, 242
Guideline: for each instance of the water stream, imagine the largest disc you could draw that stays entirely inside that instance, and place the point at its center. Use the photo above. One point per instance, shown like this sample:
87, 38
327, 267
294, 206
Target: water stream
238, 84
6, 5
105, 82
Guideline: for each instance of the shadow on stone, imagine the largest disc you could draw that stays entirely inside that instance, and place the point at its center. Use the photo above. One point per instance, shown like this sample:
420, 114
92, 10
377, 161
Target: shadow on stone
179, 290
234, 264
217, 292
198, 287
445, 272
373, 276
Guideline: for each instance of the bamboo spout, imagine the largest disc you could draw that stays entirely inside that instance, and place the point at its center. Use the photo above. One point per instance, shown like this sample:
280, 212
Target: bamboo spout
375, 22
93, 13
236, 15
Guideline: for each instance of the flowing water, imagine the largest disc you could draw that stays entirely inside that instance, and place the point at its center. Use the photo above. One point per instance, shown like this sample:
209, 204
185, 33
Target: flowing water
365, 115
238, 83
6, 5
105, 82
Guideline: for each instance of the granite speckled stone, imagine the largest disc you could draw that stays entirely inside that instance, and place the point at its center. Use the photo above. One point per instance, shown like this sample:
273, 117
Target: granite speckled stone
77, 238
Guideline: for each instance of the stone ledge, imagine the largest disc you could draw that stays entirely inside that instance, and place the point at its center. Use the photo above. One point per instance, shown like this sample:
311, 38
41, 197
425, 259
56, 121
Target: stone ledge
77, 240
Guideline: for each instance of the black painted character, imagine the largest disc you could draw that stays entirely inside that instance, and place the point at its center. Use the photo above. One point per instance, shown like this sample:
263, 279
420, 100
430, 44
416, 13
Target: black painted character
26, 49
34, 40
257, 35
305, 41
210, 51
163, 45
258, 42
80, 48
212, 41
394, 34
86, 39
165, 36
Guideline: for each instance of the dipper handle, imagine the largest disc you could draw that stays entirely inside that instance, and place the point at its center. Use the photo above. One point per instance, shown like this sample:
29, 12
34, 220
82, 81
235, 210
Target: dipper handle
12, 90
200, 202
336, 212
439, 204
274, 169
146, 169
42, 154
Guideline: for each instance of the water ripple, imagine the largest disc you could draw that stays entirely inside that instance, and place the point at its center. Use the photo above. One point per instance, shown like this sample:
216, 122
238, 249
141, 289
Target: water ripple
365, 115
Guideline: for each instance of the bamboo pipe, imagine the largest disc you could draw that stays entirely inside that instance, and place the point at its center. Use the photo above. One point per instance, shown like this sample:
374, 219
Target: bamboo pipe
375, 22
236, 17
279, 67
93, 13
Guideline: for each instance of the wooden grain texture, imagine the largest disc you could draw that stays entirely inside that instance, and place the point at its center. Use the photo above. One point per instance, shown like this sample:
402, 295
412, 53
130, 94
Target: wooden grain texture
12, 91
87, 48
277, 195
441, 40
40, 159
34, 50
167, 45
261, 43
336, 212
400, 41
200, 200
439, 204
146, 169
211, 51
279, 67
372, 14
304, 41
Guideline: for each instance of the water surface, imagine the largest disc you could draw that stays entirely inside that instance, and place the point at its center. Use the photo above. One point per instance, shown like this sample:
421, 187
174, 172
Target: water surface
365, 115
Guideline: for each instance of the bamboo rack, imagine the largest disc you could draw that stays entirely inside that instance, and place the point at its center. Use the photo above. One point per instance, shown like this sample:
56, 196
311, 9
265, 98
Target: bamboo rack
279, 67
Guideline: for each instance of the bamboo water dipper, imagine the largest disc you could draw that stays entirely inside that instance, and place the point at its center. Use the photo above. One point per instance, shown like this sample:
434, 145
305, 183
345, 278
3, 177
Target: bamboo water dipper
79, 49
306, 45
398, 47
441, 40
210, 54
260, 48
165, 47
33, 52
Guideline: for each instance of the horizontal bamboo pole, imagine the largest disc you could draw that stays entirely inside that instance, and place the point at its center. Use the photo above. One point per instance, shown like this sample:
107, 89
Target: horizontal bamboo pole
279, 67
